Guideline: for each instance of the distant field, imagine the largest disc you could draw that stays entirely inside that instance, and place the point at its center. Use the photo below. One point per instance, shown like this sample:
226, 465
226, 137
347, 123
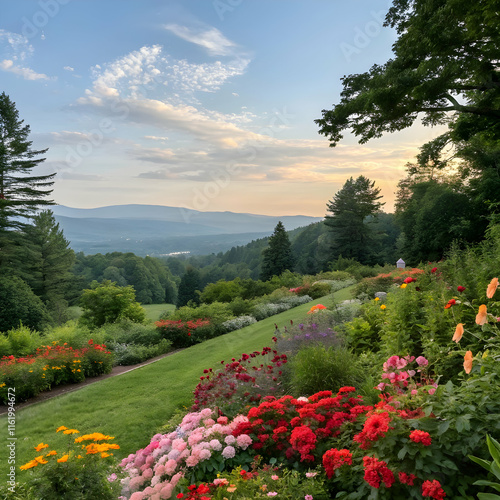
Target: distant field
153, 311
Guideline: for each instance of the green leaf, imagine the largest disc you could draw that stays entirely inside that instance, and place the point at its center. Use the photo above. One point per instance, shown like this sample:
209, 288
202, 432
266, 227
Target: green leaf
488, 496
483, 463
493, 485
494, 448
402, 452
443, 427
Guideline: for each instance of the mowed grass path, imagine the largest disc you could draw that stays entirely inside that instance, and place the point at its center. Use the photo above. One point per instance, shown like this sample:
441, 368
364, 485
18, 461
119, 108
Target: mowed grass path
153, 311
133, 406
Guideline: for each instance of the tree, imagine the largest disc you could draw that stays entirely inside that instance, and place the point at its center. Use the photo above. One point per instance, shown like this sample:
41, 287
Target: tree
107, 302
18, 304
277, 257
21, 194
49, 261
445, 61
349, 209
188, 287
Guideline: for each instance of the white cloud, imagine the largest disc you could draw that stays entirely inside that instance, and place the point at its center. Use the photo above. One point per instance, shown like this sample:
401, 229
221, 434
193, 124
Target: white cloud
210, 39
155, 138
69, 68
27, 73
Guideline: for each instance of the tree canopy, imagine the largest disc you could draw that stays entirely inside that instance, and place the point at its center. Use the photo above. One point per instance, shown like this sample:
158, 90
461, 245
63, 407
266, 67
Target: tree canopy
349, 209
277, 257
446, 59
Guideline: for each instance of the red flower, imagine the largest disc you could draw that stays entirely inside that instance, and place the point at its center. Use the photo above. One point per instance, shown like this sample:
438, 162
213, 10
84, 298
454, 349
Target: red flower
377, 472
334, 459
451, 302
303, 440
461, 288
374, 428
433, 489
409, 280
434, 269
421, 437
406, 478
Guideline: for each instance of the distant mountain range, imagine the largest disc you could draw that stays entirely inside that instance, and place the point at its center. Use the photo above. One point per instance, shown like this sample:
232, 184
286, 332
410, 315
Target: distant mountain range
157, 230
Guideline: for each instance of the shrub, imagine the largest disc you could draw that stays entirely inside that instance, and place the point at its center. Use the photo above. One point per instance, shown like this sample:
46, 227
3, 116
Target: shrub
319, 289
131, 354
184, 333
23, 341
80, 471
128, 332
239, 322
97, 360
316, 368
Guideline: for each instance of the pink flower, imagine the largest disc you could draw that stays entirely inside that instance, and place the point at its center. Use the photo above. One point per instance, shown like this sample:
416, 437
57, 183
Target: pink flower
228, 452
432, 391
401, 363
421, 361
272, 493
243, 441
230, 439
274, 477
311, 474
308, 497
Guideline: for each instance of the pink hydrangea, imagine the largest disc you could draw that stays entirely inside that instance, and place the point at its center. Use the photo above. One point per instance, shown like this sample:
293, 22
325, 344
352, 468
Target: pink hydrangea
421, 361
243, 441
230, 439
228, 452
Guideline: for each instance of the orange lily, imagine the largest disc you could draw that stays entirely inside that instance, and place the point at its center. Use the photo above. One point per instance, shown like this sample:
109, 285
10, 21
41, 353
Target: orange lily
492, 288
459, 331
468, 362
482, 316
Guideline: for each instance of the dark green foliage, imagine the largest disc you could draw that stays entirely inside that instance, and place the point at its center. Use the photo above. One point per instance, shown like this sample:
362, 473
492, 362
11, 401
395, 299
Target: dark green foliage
445, 60
107, 302
188, 287
277, 257
347, 218
18, 304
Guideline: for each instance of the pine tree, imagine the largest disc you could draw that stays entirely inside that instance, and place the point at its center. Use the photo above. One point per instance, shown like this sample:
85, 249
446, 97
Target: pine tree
349, 209
21, 194
189, 285
277, 257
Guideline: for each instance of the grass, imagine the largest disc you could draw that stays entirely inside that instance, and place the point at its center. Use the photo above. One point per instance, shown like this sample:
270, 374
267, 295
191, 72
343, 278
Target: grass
133, 406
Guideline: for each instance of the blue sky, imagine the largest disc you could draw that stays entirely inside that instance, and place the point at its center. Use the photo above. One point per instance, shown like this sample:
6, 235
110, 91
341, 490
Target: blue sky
208, 105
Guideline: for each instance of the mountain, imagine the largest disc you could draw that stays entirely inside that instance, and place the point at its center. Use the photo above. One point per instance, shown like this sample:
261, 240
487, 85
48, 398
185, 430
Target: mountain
160, 230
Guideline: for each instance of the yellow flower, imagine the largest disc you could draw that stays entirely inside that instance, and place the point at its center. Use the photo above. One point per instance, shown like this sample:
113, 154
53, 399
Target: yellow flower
29, 465
71, 431
404, 285
468, 362
492, 288
376, 298
482, 316
41, 446
51, 453
459, 331
104, 455
62, 428
2, 385
383, 306
40, 460
63, 459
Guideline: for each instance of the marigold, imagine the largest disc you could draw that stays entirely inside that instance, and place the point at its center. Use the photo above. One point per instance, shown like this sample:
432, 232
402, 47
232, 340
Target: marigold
468, 362
383, 306
482, 315
459, 331
492, 288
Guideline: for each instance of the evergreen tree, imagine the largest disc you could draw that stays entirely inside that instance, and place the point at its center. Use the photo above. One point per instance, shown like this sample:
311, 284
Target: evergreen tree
48, 261
349, 210
277, 257
188, 287
21, 194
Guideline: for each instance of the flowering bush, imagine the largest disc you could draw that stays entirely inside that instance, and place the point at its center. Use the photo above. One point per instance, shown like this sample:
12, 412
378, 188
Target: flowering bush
52, 365
239, 322
241, 382
197, 449
184, 333
79, 472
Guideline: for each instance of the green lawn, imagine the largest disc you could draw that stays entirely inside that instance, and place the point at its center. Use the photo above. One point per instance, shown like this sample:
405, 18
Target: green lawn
134, 405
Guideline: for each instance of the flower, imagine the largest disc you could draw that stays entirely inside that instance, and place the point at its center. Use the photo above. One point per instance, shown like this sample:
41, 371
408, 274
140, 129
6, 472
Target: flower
434, 269
482, 315
41, 446
334, 459
460, 289
62, 428
308, 497
433, 489
459, 331
404, 285
451, 302
228, 452
271, 493
376, 298
468, 362
316, 308
423, 437
421, 361
492, 288
383, 306
64, 458
274, 477
376, 472
409, 280
406, 478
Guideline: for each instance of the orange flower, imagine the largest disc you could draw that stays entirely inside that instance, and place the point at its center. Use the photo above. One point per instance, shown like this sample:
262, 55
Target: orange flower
468, 362
71, 431
482, 316
316, 308
62, 428
64, 458
41, 446
51, 453
459, 331
492, 288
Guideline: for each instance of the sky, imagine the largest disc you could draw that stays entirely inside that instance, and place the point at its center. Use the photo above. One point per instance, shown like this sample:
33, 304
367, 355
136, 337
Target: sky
202, 104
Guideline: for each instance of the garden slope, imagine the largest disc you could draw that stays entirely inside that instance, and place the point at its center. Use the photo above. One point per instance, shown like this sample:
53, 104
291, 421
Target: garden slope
133, 406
